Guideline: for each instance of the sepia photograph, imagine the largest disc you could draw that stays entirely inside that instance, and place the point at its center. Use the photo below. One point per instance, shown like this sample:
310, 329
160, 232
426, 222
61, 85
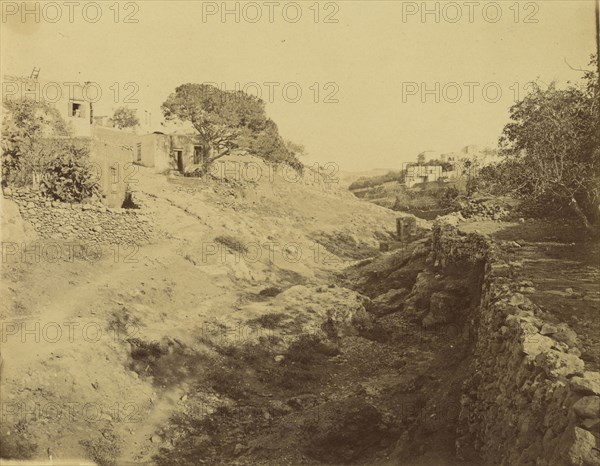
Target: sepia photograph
286, 233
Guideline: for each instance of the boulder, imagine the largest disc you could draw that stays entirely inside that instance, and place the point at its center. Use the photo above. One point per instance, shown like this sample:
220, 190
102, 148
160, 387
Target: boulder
388, 302
558, 364
578, 448
587, 407
588, 384
566, 335
535, 344
442, 309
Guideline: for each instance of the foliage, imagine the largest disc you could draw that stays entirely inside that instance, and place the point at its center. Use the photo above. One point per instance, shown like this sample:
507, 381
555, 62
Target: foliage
433, 196
446, 166
552, 149
227, 121
270, 321
124, 117
25, 124
370, 182
449, 196
37, 149
68, 175
296, 149
270, 146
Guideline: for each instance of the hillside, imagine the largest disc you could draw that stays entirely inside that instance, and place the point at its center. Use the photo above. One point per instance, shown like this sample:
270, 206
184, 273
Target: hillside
262, 325
183, 285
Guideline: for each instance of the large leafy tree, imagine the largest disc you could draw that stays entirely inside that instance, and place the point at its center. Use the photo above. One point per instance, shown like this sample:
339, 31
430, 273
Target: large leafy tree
552, 145
228, 121
124, 117
222, 119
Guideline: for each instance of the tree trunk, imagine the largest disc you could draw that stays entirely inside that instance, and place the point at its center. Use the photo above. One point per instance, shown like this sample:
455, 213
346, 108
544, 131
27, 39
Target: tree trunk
581, 214
206, 161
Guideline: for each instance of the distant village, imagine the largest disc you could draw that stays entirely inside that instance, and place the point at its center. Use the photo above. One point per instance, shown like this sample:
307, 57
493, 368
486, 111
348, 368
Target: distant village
432, 166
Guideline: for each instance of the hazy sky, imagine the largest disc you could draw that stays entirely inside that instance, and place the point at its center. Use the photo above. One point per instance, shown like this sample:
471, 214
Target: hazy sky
375, 61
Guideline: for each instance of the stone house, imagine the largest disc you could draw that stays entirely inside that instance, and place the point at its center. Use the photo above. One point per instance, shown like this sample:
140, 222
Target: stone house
422, 174
157, 150
169, 151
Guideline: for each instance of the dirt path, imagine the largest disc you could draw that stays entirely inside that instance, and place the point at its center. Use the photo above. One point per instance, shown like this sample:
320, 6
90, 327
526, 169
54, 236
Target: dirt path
61, 352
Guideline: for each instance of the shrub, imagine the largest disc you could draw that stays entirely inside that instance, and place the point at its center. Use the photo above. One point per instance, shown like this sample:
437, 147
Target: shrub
449, 196
552, 148
269, 321
124, 117
68, 176
370, 182
24, 148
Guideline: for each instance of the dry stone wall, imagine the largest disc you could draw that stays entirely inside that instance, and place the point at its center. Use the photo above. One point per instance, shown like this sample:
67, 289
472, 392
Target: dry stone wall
529, 399
92, 223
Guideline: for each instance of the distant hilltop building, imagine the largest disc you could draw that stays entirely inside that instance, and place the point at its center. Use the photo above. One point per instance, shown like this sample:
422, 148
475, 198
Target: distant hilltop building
431, 166
451, 157
422, 174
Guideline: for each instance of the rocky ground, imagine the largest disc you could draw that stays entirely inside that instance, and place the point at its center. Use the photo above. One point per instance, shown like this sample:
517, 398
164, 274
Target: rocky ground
261, 326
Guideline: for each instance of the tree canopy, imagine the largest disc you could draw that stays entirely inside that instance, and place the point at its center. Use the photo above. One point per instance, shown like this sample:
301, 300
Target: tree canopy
552, 147
25, 124
227, 121
124, 117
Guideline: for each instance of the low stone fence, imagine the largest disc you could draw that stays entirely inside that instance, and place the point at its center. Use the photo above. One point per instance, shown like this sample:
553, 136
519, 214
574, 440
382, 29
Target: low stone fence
528, 399
93, 223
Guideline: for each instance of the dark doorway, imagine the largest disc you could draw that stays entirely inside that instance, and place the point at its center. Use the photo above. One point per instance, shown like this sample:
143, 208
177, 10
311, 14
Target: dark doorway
198, 154
179, 157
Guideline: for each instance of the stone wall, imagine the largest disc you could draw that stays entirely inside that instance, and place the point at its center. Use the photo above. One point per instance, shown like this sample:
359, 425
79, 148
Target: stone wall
92, 223
528, 399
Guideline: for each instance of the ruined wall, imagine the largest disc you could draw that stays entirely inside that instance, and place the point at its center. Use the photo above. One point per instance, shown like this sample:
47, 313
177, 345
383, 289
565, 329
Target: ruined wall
528, 399
84, 222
